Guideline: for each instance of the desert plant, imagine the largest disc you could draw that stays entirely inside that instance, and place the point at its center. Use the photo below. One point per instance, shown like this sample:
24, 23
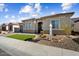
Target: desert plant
42, 35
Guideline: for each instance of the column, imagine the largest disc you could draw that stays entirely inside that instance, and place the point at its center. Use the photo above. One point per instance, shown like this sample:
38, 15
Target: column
50, 32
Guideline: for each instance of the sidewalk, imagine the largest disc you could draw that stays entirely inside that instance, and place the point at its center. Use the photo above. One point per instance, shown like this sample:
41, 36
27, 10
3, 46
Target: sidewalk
24, 48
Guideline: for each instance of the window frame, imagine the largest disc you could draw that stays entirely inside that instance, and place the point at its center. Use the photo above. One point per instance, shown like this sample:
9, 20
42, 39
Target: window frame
58, 24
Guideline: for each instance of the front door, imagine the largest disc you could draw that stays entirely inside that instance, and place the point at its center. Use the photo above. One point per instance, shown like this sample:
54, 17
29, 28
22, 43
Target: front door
40, 27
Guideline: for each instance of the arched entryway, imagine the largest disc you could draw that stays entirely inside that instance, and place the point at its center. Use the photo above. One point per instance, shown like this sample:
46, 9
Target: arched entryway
40, 27
3, 27
10, 26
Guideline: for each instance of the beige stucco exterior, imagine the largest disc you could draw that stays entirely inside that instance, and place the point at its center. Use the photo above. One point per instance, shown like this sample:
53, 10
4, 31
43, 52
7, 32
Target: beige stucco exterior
76, 27
75, 23
15, 27
64, 24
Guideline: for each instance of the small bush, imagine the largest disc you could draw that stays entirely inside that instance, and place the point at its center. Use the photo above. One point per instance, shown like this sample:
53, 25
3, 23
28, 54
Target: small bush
42, 35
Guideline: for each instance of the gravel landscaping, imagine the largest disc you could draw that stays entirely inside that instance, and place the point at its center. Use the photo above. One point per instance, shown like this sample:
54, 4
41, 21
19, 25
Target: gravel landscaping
62, 42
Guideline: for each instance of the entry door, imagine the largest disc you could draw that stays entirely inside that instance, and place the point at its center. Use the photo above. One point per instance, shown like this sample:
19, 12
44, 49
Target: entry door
40, 27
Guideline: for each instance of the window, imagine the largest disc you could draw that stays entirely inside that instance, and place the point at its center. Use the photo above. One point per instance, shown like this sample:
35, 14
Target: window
28, 26
55, 24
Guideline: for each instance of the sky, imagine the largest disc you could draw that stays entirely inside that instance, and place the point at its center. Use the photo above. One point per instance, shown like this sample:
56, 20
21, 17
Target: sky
16, 12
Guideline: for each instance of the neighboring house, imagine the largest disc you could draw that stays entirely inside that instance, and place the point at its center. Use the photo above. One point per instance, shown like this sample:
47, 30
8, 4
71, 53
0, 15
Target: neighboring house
14, 27
75, 24
21, 27
61, 24
11, 27
3, 27
0, 29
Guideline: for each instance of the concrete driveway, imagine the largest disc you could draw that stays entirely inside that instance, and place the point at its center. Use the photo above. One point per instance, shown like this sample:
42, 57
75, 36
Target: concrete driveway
24, 48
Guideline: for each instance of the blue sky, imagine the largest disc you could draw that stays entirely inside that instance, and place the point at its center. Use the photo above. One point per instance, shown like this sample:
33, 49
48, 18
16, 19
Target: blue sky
15, 12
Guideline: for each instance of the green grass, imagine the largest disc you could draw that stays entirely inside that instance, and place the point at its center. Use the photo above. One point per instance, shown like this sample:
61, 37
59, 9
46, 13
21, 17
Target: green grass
22, 37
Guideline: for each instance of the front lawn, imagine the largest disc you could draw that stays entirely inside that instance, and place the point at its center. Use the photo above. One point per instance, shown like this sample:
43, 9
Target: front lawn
22, 37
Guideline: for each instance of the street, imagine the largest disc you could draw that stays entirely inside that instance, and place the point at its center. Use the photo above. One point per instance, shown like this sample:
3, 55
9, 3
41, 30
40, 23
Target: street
3, 53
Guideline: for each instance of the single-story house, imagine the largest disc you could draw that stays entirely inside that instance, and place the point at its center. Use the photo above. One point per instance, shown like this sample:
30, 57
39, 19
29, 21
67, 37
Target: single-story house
75, 24
11, 27
61, 24
0, 29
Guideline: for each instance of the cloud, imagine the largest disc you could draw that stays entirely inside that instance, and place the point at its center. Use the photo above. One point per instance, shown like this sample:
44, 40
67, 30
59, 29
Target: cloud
2, 6
10, 21
31, 9
6, 10
31, 4
12, 16
6, 16
37, 7
26, 9
52, 13
13, 21
66, 6
35, 15
23, 18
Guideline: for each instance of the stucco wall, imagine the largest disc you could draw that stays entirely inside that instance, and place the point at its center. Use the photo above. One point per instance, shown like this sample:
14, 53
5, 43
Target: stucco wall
76, 27
16, 26
65, 24
29, 26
